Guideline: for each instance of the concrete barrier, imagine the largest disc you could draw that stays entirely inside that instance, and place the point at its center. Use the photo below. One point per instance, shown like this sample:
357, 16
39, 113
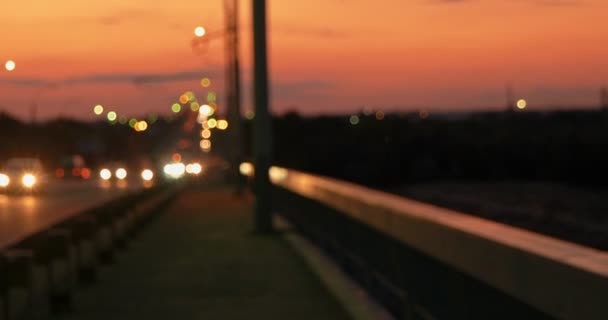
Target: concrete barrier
39, 274
561, 279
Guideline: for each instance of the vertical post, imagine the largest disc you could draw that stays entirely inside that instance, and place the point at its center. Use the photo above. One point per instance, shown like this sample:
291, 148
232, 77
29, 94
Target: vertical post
262, 134
233, 87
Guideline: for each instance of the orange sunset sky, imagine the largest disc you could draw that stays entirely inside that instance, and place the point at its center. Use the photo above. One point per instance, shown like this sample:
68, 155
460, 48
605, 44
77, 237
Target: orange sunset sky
327, 56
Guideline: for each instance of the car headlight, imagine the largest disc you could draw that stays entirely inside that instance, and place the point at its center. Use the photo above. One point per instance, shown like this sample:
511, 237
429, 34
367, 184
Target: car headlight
194, 168
28, 180
4, 180
105, 174
121, 173
147, 175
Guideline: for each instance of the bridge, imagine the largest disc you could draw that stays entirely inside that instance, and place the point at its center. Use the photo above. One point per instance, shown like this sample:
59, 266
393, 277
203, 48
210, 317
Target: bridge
338, 250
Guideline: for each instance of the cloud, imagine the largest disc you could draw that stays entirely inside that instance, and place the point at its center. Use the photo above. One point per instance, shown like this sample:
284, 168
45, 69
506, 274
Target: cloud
118, 78
307, 31
126, 15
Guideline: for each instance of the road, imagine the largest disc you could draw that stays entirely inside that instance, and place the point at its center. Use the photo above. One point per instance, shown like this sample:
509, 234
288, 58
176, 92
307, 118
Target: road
23, 215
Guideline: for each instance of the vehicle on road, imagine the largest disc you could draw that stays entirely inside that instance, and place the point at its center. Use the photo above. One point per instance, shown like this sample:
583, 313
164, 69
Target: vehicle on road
22, 175
73, 167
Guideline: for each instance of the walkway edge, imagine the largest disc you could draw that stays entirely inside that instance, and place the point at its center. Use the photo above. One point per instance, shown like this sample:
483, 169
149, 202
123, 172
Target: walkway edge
349, 294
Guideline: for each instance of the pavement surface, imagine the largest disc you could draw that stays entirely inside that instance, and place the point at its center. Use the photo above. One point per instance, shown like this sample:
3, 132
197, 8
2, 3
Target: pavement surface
25, 214
200, 260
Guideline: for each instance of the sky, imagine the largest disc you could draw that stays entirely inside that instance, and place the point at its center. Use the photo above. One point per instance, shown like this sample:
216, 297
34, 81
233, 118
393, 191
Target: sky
326, 56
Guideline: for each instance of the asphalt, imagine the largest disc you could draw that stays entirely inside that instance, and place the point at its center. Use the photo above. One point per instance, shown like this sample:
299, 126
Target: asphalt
200, 260
22, 215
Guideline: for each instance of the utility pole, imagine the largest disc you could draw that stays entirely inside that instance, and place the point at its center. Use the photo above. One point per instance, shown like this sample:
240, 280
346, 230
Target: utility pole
233, 90
262, 133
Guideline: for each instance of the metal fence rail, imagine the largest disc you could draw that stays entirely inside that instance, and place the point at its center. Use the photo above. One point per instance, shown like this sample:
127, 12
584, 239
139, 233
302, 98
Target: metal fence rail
425, 262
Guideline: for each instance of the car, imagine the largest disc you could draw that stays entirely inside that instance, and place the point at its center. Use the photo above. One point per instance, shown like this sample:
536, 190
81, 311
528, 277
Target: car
73, 167
22, 175
113, 171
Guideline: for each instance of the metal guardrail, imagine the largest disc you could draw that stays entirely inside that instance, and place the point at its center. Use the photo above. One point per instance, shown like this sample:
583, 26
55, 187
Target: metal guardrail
39, 273
426, 262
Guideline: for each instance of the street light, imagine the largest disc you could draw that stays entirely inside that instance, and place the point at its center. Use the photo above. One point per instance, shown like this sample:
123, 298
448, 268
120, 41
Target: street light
10, 65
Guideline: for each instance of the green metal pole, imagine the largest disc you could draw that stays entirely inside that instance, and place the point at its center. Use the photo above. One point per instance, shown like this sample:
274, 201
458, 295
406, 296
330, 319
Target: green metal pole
262, 133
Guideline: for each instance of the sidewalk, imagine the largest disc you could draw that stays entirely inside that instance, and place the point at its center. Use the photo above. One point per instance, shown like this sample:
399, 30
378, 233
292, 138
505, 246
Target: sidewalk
199, 260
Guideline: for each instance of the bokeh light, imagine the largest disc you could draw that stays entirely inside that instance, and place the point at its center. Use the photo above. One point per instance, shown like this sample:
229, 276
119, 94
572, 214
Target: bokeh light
211, 97
246, 169
206, 133
132, 123
112, 116
205, 145
249, 115
212, 123
354, 120
194, 106
379, 115
141, 126
222, 124
10, 65
205, 82
522, 104
176, 107
121, 173
199, 31
147, 175
183, 99
206, 110
105, 174
98, 109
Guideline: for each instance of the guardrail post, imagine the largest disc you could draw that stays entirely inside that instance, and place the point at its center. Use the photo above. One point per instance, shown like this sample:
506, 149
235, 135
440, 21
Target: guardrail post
59, 271
17, 284
86, 252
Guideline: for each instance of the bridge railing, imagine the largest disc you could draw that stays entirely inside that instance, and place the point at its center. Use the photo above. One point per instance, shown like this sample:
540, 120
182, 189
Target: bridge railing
426, 262
39, 273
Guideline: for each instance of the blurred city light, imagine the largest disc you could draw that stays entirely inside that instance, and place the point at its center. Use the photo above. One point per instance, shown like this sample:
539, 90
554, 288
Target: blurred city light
176, 107
98, 109
133, 123
354, 120
249, 115
205, 145
147, 175
141, 126
112, 116
105, 174
205, 82
423, 114
212, 123
194, 106
10, 65
522, 104
4, 180
222, 124
199, 31
206, 110
121, 173
211, 97
277, 174
176, 157
183, 99
206, 134
28, 180
246, 169
379, 115
194, 168
122, 119
174, 170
